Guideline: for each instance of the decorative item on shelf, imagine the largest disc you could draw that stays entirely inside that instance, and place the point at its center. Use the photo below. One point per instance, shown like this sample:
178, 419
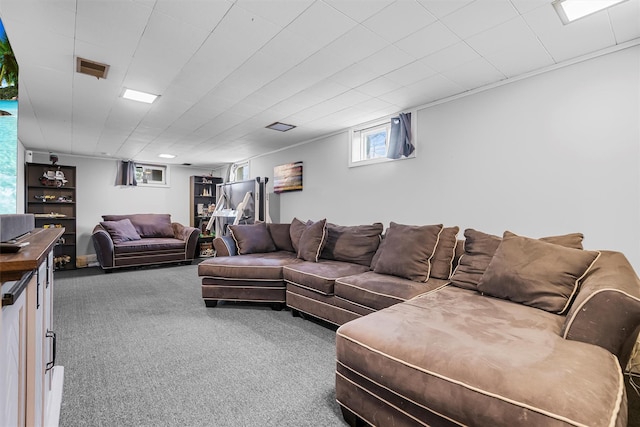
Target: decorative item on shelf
45, 197
50, 215
53, 179
206, 181
61, 261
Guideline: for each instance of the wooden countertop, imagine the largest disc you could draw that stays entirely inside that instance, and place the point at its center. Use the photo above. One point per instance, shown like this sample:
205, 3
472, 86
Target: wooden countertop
41, 242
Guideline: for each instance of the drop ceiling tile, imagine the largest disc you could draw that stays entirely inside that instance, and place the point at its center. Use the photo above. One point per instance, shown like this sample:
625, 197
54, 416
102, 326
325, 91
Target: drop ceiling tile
398, 20
422, 92
320, 24
515, 60
386, 60
625, 19
474, 74
524, 6
442, 8
451, 57
202, 14
580, 37
511, 33
411, 73
355, 10
358, 43
428, 40
479, 16
353, 76
49, 17
379, 86
280, 12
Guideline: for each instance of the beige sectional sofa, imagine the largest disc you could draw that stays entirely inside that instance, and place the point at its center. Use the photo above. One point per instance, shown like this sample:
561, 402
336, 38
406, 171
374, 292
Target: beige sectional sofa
487, 331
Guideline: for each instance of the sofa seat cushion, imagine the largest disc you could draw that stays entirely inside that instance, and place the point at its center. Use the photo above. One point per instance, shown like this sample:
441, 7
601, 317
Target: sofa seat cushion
265, 266
378, 291
479, 361
155, 244
320, 276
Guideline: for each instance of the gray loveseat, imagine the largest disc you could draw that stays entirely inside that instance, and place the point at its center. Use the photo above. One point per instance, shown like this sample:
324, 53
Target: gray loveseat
521, 331
143, 239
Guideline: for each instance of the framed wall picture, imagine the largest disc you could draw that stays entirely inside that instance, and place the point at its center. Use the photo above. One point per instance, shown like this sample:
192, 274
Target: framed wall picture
287, 177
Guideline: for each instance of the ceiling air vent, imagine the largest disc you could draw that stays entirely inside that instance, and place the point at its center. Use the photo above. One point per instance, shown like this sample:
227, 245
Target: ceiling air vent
92, 68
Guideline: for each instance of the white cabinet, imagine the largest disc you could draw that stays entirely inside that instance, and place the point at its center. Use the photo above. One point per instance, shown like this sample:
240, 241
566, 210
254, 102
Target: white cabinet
30, 383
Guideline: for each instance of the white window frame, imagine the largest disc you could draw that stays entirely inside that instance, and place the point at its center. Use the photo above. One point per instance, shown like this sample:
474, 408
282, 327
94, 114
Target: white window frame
357, 135
233, 176
164, 171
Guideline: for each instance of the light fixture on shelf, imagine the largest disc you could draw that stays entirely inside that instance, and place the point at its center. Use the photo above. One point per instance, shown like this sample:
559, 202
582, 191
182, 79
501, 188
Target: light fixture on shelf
136, 95
570, 10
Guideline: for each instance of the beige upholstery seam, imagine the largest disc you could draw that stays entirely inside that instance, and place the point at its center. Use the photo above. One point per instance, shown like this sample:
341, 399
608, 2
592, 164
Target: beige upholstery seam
308, 288
576, 285
373, 292
465, 385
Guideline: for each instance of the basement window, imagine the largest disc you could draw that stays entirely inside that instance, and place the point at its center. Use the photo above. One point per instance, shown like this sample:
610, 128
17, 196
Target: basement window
369, 142
152, 175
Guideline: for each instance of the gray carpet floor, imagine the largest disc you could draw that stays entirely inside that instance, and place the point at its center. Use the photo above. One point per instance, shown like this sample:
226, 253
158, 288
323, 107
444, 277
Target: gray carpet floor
139, 348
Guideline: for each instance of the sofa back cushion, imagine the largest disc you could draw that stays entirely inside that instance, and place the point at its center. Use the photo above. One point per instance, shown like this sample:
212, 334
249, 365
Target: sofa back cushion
147, 225
442, 262
407, 251
121, 231
280, 233
296, 229
312, 240
356, 244
252, 238
536, 273
479, 249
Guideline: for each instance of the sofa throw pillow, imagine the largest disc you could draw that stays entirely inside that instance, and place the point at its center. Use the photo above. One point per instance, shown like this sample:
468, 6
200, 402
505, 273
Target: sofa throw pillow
536, 273
252, 238
356, 244
479, 249
312, 241
280, 233
408, 250
442, 262
296, 229
121, 231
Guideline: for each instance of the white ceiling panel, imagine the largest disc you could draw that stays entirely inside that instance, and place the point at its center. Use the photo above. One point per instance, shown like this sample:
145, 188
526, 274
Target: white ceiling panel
225, 69
399, 19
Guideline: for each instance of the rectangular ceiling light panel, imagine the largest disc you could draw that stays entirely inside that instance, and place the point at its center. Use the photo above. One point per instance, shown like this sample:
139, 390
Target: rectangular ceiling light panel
282, 127
570, 10
139, 96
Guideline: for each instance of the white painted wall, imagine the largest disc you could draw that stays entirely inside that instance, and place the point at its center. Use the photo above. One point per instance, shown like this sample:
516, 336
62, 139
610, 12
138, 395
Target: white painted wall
555, 153
96, 194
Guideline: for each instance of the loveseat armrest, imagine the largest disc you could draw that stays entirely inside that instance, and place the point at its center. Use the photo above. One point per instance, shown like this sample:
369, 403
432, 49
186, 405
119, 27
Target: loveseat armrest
189, 235
225, 246
103, 245
606, 311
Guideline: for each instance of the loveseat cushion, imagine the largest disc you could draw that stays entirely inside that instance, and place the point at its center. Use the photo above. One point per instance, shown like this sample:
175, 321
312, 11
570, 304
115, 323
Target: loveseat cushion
478, 361
378, 291
479, 249
121, 231
536, 273
407, 251
147, 225
356, 243
264, 266
320, 276
151, 244
252, 238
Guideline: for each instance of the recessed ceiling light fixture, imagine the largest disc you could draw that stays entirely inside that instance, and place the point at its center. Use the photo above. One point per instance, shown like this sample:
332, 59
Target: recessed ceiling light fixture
167, 156
139, 96
570, 10
282, 127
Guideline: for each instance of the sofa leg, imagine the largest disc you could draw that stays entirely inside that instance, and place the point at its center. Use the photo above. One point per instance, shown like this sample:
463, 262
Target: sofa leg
352, 419
210, 303
107, 271
295, 313
277, 306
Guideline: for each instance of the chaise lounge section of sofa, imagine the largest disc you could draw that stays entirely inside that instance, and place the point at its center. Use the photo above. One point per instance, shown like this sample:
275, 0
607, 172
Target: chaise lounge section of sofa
490, 330
143, 239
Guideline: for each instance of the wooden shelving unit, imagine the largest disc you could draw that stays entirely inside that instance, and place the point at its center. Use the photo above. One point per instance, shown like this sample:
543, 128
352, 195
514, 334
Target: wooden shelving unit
51, 197
203, 195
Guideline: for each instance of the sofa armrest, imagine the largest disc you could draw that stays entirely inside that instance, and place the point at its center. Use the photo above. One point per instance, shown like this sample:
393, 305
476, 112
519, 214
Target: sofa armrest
103, 245
225, 246
606, 311
189, 235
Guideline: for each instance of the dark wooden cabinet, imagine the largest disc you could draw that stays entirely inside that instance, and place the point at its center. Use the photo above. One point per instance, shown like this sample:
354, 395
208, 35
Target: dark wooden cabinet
51, 197
203, 199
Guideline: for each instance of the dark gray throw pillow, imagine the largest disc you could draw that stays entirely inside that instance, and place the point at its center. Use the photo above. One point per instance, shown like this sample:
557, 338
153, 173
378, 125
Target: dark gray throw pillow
352, 243
252, 238
312, 241
121, 231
